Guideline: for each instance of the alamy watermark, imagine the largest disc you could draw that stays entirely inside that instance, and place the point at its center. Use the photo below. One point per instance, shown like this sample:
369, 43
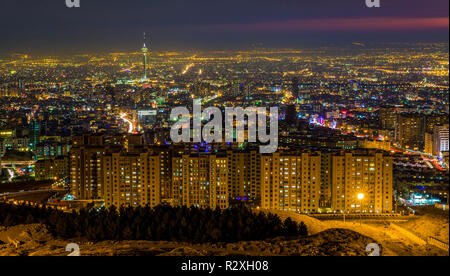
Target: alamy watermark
369, 3
374, 250
373, 3
73, 3
74, 250
212, 132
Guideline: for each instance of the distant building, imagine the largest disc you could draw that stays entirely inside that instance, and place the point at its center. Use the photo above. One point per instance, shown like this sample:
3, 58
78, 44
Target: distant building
9, 140
388, 119
295, 88
201, 90
440, 140
432, 120
147, 118
445, 157
52, 169
236, 89
35, 133
428, 149
409, 131
49, 149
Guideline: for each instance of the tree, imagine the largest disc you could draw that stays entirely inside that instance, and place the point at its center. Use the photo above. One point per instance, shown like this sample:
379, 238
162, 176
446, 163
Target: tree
127, 234
160, 223
303, 230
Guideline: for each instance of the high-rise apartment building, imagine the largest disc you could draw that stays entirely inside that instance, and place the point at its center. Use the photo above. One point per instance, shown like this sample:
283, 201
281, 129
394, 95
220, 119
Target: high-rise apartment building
388, 117
85, 159
244, 176
440, 140
200, 181
429, 145
304, 181
86, 172
433, 120
326, 181
131, 179
409, 132
291, 182
165, 164
411, 129
295, 88
366, 174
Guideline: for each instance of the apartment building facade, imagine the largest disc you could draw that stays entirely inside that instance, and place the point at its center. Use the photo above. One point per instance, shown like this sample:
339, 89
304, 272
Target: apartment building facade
304, 181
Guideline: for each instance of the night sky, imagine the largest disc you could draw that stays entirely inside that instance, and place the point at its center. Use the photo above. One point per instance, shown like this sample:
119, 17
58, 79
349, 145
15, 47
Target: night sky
47, 26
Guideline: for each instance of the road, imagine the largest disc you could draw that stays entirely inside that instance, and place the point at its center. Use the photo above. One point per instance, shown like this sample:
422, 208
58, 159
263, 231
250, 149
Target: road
23, 193
131, 127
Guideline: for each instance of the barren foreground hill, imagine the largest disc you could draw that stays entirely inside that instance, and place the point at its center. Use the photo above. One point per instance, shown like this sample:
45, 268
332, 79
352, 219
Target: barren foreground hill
327, 238
35, 240
403, 238
430, 222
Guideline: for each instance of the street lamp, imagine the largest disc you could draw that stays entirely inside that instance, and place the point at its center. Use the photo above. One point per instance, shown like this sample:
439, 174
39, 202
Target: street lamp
360, 198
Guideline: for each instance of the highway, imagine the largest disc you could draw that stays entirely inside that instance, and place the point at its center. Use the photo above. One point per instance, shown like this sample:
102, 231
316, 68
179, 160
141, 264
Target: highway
21, 193
131, 127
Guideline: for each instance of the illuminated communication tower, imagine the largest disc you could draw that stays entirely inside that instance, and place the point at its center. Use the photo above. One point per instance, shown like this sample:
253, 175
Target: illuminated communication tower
145, 52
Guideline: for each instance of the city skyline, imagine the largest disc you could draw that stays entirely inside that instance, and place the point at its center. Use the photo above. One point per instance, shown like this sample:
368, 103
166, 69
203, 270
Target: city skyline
232, 128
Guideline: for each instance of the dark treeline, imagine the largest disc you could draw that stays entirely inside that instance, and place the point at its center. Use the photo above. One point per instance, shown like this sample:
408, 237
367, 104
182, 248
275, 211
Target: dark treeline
162, 223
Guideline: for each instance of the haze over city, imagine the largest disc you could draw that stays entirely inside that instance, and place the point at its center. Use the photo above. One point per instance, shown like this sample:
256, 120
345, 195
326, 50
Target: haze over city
49, 27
